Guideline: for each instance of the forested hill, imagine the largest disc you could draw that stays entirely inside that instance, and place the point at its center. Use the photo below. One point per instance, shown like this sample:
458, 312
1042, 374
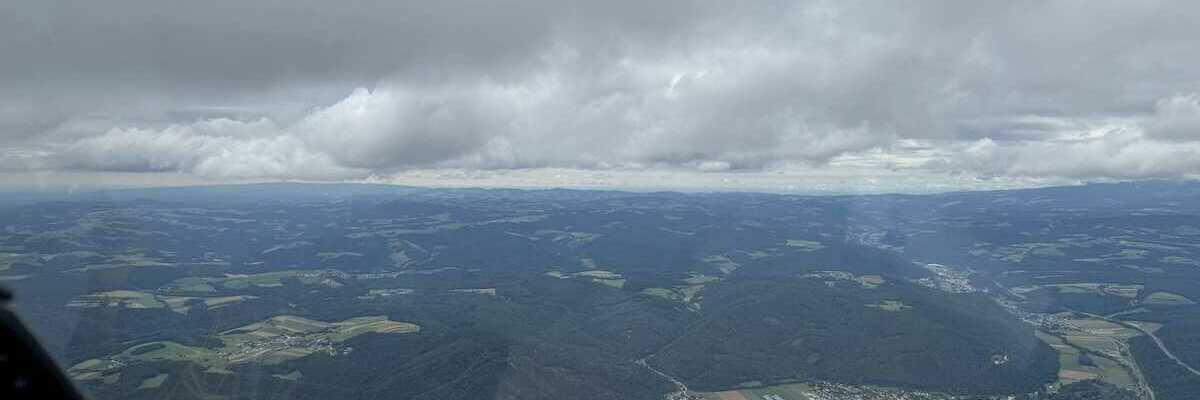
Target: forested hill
345, 291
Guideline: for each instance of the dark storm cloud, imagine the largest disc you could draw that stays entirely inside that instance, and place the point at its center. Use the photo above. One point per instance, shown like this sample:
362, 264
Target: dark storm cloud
330, 90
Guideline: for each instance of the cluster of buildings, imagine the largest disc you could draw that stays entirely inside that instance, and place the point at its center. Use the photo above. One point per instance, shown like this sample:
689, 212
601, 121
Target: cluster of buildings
837, 391
252, 349
948, 279
683, 395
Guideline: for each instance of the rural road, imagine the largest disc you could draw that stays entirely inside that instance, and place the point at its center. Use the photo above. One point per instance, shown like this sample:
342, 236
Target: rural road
1157, 341
682, 388
1137, 372
1163, 347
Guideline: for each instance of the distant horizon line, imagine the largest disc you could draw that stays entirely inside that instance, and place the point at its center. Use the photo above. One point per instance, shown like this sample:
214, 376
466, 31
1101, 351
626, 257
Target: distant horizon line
71, 191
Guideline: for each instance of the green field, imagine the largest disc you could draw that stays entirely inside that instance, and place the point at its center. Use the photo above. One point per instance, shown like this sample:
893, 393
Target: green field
805, 245
891, 305
8, 259
1101, 349
607, 278
723, 263
378, 324
795, 391
123, 261
290, 376
154, 381
196, 285
141, 300
1128, 291
866, 281
819, 391
381, 293
118, 298
1167, 299
257, 342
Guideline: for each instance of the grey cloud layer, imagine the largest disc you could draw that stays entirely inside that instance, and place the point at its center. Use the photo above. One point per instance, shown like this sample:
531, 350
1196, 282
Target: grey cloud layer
318, 90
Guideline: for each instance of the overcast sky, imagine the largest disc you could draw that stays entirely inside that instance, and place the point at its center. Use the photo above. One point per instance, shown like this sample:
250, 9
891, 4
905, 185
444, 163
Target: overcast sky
771, 95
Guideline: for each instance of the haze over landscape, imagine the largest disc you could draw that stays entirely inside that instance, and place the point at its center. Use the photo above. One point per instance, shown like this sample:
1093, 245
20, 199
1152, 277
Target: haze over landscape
668, 200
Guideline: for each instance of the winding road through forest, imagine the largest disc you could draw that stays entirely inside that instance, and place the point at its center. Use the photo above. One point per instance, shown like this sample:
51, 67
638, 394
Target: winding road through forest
1147, 332
1164, 349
